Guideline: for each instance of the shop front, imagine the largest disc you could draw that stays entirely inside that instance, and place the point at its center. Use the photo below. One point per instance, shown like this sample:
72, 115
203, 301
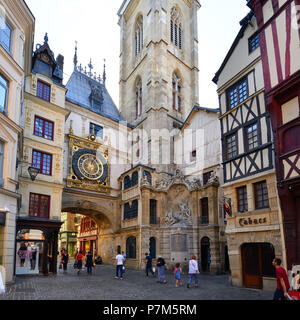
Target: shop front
36, 246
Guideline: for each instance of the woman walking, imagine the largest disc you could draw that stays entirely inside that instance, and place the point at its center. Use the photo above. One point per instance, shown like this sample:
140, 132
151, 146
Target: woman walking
89, 262
161, 267
79, 258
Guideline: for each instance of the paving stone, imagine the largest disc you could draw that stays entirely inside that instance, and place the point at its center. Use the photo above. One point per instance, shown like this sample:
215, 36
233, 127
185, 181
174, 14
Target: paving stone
136, 286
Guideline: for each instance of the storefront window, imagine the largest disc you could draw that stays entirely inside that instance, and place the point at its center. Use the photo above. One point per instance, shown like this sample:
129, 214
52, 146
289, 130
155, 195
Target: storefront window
29, 251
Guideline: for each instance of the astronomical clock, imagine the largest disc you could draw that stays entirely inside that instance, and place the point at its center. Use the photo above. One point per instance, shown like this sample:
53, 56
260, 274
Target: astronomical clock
88, 167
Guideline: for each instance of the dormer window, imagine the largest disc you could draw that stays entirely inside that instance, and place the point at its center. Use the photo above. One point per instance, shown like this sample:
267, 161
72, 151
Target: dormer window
43, 90
139, 35
43, 68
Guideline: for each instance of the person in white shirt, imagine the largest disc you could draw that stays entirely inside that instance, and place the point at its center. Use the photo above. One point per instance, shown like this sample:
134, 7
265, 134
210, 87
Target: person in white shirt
193, 271
119, 266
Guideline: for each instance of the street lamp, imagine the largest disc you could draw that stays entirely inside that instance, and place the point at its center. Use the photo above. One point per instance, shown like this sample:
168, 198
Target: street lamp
33, 172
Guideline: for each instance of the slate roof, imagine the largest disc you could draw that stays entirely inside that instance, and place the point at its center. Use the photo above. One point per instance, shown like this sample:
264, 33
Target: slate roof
79, 92
196, 108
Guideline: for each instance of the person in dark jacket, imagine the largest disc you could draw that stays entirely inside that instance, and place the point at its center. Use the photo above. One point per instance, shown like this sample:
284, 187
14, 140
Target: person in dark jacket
89, 262
148, 261
64, 259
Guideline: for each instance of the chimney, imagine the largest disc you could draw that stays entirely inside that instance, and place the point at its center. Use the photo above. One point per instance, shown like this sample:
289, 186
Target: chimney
60, 62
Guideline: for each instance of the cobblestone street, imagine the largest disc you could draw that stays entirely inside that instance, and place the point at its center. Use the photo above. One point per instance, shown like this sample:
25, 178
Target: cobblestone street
136, 286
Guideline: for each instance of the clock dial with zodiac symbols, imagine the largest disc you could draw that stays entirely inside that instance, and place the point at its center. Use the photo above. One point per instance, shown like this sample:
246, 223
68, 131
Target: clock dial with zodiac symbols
88, 164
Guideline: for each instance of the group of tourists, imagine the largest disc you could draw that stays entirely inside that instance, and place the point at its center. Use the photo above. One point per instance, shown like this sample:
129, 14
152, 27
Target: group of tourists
120, 267
162, 266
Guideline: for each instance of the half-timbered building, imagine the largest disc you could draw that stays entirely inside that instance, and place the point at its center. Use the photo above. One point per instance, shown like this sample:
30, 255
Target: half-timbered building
253, 223
279, 32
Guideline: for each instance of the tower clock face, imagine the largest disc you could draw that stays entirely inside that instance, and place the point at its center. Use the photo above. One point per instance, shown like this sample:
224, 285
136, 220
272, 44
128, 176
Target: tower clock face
87, 164
90, 166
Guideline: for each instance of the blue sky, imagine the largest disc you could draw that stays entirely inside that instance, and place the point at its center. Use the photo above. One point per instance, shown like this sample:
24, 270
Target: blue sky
94, 25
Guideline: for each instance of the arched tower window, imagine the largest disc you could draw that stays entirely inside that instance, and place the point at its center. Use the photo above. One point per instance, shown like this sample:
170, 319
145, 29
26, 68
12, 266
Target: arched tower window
139, 98
176, 92
176, 28
139, 35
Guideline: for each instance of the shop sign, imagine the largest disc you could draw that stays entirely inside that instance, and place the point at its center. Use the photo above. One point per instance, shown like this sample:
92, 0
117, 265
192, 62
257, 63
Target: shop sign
2, 218
253, 220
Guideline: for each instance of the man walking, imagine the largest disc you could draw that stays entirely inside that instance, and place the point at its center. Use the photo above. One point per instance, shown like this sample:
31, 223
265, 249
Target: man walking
283, 285
148, 261
119, 266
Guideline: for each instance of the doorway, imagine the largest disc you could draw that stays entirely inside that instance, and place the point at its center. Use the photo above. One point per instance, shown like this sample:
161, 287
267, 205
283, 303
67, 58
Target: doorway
257, 263
205, 254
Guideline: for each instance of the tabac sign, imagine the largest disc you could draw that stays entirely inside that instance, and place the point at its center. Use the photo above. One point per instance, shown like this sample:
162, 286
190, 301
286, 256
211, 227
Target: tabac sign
252, 221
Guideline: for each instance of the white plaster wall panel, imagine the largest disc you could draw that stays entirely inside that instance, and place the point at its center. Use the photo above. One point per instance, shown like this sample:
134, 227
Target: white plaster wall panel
265, 158
271, 56
282, 35
240, 57
251, 84
259, 78
241, 146
262, 103
295, 48
223, 102
268, 10
290, 110
264, 130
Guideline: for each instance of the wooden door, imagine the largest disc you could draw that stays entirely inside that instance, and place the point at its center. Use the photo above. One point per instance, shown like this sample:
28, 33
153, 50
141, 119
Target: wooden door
251, 257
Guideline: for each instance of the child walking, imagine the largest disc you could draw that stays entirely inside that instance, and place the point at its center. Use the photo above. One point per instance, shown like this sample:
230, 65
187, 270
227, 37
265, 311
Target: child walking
177, 273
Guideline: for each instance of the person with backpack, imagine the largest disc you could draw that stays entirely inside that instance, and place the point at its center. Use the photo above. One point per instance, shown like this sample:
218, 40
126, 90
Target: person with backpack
177, 273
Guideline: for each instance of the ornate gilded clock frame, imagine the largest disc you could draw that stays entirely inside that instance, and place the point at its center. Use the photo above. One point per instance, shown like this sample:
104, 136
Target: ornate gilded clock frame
89, 148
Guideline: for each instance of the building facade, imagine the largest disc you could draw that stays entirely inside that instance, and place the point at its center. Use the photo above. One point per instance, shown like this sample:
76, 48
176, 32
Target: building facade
16, 41
43, 150
253, 222
279, 31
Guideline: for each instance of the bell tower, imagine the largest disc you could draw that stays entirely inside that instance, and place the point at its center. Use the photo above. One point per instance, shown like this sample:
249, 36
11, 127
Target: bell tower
158, 62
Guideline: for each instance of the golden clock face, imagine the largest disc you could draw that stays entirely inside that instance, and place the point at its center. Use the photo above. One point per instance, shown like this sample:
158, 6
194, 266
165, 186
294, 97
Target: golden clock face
90, 166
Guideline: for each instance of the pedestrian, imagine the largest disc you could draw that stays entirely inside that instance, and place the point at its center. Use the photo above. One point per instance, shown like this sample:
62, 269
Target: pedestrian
89, 262
283, 286
297, 281
22, 253
148, 261
293, 282
193, 272
79, 258
177, 273
161, 267
64, 260
119, 266
125, 256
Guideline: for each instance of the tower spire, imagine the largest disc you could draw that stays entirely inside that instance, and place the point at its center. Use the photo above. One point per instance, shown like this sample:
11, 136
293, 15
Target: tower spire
104, 73
46, 38
90, 67
75, 56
